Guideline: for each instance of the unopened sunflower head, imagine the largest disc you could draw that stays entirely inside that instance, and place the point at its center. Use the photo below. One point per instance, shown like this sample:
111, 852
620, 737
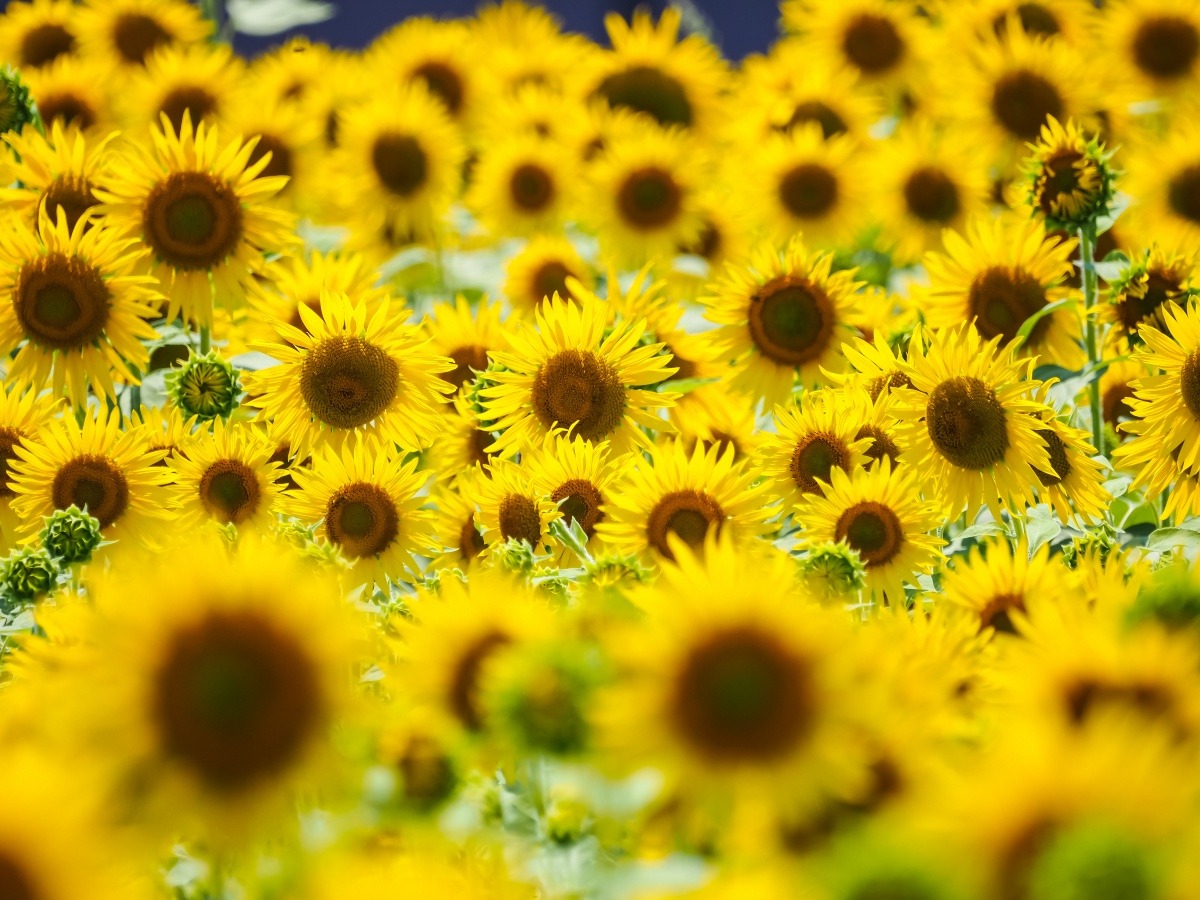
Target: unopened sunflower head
1068, 178
206, 386
17, 108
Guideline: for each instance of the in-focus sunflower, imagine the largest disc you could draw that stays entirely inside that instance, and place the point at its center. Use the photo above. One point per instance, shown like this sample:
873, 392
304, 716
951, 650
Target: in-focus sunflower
971, 423
1140, 294
523, 185
578, 478
199, 206
570, 370
348, 374
53, 173
812, 437
23, 413
1069, 181
783, 318
33, 35
465, 335
125, 32
434, 55
456, 525
398, 162
996, 580
226, 476
74, 91
78, 313
1153, 46
1076, 486
672, 493
999, 274
1164, 180
164, 428
95, 466
880, 40
800, 181
879, 514
541, 270
641, 196
734, 684
370, 508
877, 366
928, 183
512, 507
212, 711
652, 73
199, 81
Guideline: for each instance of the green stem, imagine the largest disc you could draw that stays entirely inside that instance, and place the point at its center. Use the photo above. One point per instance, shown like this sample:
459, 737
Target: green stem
1087, 251
205, 339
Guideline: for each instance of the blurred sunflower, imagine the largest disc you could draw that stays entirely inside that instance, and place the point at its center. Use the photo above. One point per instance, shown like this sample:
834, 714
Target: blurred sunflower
35, 34
55, 172
284, 130
432, 54
465, 334
456, 526
523, 185
1164, 178
541, 269
126, 32
1153, 47
198, 81
881, 41
671, 495
1073, 21
75, 92
995, 581
23, 414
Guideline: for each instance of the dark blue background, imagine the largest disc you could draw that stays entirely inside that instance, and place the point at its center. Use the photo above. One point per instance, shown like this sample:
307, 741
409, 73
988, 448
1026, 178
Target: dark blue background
740, 26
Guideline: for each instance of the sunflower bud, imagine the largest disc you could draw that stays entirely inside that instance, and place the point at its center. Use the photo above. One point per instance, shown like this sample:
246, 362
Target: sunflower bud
567, 816
17, 108
206, 386
1096, 863
516, 556
1069, 180
70, 535
615, 571
26, 574
834, 571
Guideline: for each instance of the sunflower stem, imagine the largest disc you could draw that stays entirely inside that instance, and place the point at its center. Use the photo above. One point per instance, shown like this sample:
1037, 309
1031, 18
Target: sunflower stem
205, 339
1087, 252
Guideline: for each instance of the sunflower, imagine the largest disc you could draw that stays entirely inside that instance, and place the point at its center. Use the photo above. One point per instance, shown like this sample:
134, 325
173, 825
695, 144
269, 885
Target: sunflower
226, 476
879, 426
456, 524
1153, 47
511, 506
998, 275
878, 513
524, 46
811, 439
970, 423
211, 711
670, 495
713, 416
126, 32
370, 506
725, 237
198, 80
877, 365
95, 466
164, 428
523, 185
55, 172
292, 138
202, 212
461, 443
570, 370
33, 35
736, 686
541, 270
74, 92
348, 374
996, 580
783, 318
641, 194
578, 476
1015, 85
23, 414
457, 634
295, 69
78, 313
652, 73
929, 182
465, 335
1141, 293
880, 40
1076, 486
1164, 180
432, 55
398, 162
800, 181
1117, 389
1072, 21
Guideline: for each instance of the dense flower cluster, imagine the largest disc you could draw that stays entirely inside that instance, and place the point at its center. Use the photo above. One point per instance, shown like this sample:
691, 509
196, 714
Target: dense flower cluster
497, 465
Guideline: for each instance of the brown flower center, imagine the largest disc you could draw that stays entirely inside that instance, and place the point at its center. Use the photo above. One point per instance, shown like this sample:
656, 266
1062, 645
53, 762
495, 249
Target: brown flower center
427, 771
1113, 403
193, 221
882, 444
743, 696
808, 191
1189, 383
470, 541
814, 111
347, 382
873, 44
61, 303
467, 361
444, 83
235, 699
814, 457
649, 199
361, 520
1149, 698
1160, 288
1001, 298
15, 883
1165, 47
73, 195
1057, 451
649, 90
191, 99
874, 530
931, 195
9, 438
579, 501
230, 491
996, 613
687, 514
577, 387
519, 519
70, 109
550, 279
891, 381
1021, 102
791, 320
44, 44
1183, 193
400, 162
92, 482
135, 35
464, 682
966, 423
281, 156
531, 188
1034, 19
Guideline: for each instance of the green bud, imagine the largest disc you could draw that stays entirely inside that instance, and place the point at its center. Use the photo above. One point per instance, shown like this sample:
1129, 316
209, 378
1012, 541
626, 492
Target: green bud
205, 386
17, 108
615, 570
1093, 862
515, 556
70, 535
566, 817
834, 570
27, 574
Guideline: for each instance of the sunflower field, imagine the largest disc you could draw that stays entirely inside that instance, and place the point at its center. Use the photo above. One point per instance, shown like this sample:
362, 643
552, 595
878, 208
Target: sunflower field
496, 465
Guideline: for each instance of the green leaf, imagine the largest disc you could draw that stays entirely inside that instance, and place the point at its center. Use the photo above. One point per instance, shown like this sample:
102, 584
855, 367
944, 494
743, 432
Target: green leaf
1028, 325
1171, 538
684, 385
1040, 527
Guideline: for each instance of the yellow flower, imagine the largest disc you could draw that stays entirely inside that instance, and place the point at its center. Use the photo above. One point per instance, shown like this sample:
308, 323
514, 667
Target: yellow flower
578, 476
32, 35
1070, 181
431, 54
369, 505
125, 32
348, 374
73, 92
1076, 484
541, 269
512, 507
177, 81
79, 312
524, 184
569, 371
1152, 46
465, 335
292, 138
55, 172
1164, 181
23, 413
201, 209
1141, 293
